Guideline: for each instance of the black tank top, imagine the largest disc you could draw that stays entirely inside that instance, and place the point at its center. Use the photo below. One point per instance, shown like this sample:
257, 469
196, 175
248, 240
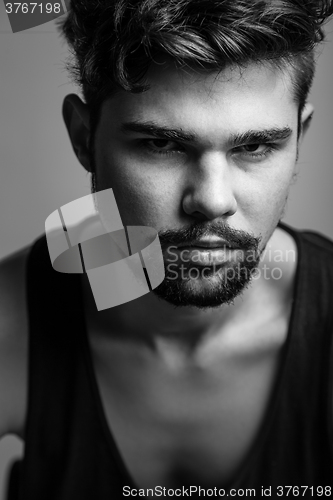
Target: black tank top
70, 453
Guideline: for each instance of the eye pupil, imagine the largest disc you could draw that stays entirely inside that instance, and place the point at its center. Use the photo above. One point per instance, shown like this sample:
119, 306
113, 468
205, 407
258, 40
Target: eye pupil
251, 147
160, 143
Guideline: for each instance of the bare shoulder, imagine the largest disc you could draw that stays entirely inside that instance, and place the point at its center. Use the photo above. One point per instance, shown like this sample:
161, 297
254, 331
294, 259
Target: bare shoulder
13, 343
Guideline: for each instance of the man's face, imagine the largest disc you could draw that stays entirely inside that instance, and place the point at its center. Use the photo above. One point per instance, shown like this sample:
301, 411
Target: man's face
207, 160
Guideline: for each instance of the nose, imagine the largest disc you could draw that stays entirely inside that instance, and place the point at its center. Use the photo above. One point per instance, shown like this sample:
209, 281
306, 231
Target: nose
209, 192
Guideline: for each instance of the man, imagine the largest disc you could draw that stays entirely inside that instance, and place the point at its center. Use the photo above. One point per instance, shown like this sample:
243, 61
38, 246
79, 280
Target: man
220, 378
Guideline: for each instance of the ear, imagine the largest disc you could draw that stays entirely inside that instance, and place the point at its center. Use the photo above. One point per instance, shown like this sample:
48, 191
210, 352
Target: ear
76, 117
306, 118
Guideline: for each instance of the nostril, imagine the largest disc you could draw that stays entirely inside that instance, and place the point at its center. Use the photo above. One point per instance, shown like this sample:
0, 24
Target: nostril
199, 215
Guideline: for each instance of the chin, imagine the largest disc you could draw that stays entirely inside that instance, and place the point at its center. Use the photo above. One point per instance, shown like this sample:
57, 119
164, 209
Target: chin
212, 290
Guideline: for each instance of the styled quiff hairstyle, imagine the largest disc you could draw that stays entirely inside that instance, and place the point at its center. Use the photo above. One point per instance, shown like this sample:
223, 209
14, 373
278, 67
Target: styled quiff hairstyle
113, 42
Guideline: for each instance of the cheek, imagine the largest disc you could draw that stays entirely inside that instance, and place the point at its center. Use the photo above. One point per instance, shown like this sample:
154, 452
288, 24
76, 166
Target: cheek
262, 199
142, 196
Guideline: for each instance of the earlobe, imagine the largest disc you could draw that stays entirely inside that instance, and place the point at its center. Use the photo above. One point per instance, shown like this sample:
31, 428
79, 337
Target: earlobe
306, 118
76, 118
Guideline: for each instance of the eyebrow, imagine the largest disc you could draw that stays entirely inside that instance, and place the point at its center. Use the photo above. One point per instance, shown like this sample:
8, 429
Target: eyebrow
155, 130
260, 136
250, 136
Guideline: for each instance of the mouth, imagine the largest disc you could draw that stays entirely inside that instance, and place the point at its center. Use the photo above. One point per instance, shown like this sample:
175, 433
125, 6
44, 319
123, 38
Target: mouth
207, 244
216, 254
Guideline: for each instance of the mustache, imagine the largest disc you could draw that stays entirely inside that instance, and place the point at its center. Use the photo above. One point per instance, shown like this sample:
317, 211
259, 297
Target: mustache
198, 230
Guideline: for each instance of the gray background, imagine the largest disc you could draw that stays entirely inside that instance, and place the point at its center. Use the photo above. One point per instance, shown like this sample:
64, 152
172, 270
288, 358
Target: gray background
39, 172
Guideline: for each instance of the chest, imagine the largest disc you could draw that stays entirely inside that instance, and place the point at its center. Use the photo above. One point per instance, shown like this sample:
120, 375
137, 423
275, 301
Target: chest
188, 428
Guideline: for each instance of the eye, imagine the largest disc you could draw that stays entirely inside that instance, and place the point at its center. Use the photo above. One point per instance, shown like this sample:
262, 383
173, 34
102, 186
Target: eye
161, 146
255, 151
251, 148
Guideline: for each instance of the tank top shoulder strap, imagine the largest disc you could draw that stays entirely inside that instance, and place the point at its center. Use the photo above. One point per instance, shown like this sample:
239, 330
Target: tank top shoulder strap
298, 442
59, 403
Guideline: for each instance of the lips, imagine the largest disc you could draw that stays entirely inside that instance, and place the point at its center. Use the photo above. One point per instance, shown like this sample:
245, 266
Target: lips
201, 255
207, 244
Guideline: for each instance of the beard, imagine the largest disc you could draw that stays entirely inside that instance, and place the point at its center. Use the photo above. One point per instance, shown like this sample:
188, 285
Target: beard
203, 287
192, 284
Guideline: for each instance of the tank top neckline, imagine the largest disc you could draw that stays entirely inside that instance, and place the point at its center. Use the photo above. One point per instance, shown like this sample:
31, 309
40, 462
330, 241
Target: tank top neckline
259, 440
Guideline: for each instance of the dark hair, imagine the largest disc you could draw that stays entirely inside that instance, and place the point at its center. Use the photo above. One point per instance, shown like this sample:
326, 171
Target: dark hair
114, 41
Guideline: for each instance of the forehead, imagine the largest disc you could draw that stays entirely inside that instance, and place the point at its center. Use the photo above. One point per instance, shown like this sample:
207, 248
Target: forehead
208, 104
